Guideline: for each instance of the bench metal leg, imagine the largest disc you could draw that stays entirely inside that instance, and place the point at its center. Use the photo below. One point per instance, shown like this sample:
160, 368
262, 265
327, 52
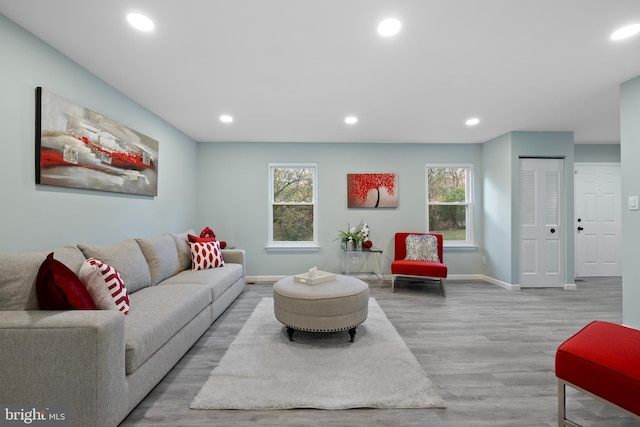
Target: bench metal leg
562, 406
562, 403
562, 416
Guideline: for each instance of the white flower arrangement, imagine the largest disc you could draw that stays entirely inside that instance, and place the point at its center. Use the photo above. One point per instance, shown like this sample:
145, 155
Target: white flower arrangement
355, 235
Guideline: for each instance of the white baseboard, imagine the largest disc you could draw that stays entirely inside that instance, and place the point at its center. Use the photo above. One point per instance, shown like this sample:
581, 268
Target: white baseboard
505, 285
253, 280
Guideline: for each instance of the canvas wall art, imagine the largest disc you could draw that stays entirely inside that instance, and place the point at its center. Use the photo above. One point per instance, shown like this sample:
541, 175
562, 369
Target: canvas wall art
372, 190
77, 147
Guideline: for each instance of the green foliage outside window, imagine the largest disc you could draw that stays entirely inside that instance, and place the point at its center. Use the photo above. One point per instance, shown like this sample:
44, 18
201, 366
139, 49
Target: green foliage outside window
292, 223
448, 205
293, 204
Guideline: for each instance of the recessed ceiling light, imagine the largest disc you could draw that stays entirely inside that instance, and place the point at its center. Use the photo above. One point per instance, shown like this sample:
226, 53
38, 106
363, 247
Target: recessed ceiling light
626, 32
472, 121
225, 118
351, 120
389, 27
140, 22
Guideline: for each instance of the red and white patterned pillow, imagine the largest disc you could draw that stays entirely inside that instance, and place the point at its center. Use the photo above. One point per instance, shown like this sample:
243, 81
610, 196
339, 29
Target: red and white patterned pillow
104, 285
205, 255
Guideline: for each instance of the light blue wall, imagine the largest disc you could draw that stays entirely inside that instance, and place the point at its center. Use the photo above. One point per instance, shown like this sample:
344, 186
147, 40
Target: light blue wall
501, 165
630, 154
497, 183
234, 197
609, 153
224, 185
45, 217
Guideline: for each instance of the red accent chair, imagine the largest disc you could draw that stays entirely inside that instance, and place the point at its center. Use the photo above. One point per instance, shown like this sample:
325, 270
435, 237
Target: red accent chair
603, 361
402, 267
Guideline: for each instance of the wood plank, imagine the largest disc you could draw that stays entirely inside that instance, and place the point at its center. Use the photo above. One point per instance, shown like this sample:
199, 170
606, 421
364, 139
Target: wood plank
489, 351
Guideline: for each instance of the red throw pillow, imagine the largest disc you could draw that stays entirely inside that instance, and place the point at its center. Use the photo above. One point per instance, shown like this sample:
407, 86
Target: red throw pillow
58, 288
196, 239
207, 232
206, 235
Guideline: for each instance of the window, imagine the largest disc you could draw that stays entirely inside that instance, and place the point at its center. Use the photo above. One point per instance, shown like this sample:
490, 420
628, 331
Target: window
292, 199
449, 202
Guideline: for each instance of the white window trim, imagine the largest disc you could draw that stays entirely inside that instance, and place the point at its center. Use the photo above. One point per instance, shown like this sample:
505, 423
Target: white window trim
293, 246
469, 203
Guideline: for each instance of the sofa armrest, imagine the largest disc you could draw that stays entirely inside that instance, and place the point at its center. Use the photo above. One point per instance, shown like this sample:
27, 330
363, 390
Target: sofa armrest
234, 256
70, 358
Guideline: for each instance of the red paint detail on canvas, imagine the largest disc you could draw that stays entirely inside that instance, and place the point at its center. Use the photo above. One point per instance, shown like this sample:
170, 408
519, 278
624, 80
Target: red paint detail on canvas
359, 186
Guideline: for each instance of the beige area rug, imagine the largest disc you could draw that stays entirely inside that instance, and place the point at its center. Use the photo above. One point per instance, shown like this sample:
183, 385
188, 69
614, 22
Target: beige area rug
262, 369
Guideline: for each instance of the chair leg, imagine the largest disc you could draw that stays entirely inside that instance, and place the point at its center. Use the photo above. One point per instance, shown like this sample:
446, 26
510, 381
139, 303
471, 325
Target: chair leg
442, 285
393, 283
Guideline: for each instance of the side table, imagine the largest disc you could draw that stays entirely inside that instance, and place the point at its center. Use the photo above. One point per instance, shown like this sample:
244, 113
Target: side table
347, 261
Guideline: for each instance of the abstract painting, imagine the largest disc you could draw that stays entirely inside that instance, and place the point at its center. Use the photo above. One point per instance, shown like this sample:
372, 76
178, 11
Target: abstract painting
372, 190
79, 148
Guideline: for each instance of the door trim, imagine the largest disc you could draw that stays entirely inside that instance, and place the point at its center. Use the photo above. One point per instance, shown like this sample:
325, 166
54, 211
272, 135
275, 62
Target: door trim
542, 229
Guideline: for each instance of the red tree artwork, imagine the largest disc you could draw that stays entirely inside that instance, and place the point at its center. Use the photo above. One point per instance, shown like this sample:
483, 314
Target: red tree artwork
372, 190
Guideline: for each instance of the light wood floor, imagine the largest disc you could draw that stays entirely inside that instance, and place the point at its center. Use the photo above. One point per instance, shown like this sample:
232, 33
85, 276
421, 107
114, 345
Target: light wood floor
489, 351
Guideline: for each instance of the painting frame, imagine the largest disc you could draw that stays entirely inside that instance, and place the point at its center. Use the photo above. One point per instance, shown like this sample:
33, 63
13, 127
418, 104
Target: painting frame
78, 148
372, 190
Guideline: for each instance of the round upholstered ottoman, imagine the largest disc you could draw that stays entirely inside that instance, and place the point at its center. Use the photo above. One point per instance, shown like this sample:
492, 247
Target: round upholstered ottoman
337, 305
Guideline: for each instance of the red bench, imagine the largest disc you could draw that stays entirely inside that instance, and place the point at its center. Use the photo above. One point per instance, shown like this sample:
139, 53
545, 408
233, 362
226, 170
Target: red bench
601, 360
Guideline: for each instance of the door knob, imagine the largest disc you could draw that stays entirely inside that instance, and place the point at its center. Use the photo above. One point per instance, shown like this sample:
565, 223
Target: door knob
553, 230
580, 228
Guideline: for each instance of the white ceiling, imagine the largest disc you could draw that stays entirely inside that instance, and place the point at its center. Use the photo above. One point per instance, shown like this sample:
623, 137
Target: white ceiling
291, 70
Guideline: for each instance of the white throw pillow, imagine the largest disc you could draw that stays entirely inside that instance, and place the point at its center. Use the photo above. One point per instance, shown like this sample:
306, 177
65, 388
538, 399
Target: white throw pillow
205, 255
422, 247
104, 285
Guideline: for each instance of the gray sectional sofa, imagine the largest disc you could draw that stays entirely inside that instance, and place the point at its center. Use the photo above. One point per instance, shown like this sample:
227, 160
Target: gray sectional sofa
99, 364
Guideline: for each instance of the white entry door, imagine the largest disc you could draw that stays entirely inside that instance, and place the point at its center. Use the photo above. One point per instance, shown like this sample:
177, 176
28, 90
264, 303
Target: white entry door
598, 219
541, 227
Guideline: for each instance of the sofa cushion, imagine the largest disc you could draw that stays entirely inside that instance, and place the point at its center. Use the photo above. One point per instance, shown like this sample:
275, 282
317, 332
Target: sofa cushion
127, 258
18, 272
206, 255
182, 245
157, 314
105, 285
216, 279
59, 288
419, 268
161, 254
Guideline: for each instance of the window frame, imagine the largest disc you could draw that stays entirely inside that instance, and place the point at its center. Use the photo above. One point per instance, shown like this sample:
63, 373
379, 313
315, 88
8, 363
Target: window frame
469, 200
286, 245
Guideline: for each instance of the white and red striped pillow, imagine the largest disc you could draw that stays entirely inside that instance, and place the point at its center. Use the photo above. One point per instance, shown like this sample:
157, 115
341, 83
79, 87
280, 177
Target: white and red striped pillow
104, 285
205, 255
